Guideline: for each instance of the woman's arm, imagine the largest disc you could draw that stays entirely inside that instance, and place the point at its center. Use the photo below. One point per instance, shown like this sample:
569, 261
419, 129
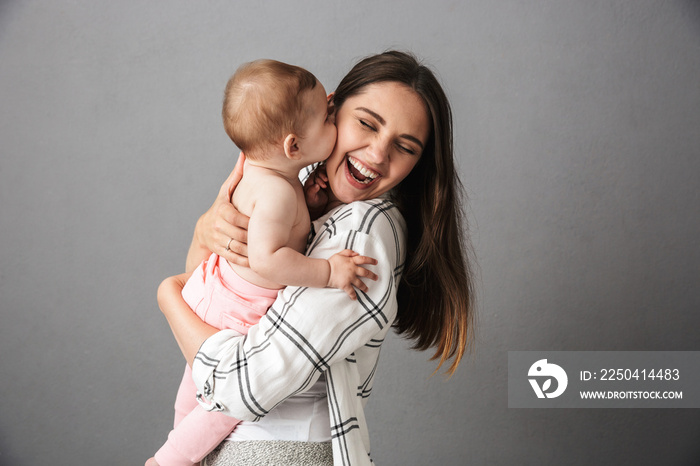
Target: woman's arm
221, 229
307, 329
189, 330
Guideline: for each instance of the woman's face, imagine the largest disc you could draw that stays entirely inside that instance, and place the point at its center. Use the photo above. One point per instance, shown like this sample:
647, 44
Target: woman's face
382, 132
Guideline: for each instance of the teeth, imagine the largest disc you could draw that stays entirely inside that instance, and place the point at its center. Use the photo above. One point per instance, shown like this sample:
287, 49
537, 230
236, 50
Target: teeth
362, 169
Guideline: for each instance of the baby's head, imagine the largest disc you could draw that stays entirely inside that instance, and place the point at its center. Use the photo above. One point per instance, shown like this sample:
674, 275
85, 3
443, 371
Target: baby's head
269, 105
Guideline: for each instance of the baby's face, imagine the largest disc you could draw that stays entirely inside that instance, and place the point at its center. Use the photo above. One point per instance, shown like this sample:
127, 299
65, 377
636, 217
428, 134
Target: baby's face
319, 129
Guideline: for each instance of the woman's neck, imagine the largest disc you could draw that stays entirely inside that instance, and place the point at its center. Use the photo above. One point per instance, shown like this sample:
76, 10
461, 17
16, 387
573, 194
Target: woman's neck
333, 202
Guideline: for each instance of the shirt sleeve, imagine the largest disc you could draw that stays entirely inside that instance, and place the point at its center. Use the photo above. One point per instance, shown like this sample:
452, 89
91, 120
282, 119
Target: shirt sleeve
307, 329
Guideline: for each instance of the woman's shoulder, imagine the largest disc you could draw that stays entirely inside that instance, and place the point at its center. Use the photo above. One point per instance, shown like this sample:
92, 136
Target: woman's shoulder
374, 228
374, 217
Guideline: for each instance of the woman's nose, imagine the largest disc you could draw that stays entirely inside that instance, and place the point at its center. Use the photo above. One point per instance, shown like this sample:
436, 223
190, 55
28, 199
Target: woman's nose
378, 152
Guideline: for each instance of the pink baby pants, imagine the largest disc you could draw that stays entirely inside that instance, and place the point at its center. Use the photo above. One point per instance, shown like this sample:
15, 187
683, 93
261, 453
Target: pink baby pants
223, 300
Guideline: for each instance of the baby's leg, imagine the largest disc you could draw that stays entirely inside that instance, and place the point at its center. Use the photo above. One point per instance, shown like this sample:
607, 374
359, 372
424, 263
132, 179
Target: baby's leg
186, 399
197, 431
195, 437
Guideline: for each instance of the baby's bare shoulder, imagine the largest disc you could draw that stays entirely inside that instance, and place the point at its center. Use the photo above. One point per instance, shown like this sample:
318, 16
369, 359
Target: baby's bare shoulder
261, 184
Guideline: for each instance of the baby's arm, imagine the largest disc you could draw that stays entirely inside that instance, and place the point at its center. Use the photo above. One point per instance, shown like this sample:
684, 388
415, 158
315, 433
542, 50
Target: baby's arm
271, 223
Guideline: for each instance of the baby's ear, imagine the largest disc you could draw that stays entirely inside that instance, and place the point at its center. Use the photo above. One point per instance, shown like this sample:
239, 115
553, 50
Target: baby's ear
331, 107
291, 147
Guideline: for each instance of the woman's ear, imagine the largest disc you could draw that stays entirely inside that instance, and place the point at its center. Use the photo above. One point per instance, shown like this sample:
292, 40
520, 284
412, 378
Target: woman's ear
291, 147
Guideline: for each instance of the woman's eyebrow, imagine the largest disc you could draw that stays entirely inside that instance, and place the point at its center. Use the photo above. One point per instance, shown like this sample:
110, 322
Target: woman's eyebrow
382, 122
412, 138
374, 114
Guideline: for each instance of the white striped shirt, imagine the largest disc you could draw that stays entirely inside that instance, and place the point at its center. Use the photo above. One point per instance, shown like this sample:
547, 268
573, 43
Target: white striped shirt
309, 331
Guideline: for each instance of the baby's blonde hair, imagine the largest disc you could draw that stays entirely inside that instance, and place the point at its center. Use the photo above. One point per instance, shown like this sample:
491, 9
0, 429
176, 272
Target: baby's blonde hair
263, 102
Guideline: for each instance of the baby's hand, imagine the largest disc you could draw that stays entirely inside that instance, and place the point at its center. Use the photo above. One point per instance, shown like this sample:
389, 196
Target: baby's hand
315, 192
346, 271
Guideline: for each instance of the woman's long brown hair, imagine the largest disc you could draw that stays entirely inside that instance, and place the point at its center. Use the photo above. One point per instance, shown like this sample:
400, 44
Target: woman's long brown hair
436, 294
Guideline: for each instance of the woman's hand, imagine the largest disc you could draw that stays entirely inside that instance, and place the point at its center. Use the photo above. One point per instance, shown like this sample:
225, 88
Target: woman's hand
222, 229
316, 192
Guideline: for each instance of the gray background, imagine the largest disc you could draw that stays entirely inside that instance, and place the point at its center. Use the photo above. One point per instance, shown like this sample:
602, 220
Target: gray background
577, 131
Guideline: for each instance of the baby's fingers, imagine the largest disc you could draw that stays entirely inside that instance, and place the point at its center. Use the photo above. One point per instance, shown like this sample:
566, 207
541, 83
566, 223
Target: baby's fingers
363, 272
364, 260
359, 284
351, 292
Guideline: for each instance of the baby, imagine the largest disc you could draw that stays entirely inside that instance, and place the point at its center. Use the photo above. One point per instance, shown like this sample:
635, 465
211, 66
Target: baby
277, 114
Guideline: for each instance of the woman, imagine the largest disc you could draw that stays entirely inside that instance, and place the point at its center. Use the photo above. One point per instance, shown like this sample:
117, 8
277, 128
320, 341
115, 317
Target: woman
392, 194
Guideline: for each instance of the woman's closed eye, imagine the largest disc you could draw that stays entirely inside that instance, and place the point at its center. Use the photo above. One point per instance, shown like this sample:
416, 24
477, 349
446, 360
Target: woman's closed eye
405, 149
367, 125
371, 127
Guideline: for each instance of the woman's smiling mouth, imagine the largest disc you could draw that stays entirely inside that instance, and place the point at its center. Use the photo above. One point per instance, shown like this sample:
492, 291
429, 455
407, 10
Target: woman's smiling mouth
359, 172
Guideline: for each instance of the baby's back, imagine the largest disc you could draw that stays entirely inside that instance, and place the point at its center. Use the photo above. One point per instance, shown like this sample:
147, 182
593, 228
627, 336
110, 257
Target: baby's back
278, 216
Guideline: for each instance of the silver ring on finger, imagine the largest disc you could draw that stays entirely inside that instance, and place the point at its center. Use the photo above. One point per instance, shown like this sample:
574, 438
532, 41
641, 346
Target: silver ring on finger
228, 246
